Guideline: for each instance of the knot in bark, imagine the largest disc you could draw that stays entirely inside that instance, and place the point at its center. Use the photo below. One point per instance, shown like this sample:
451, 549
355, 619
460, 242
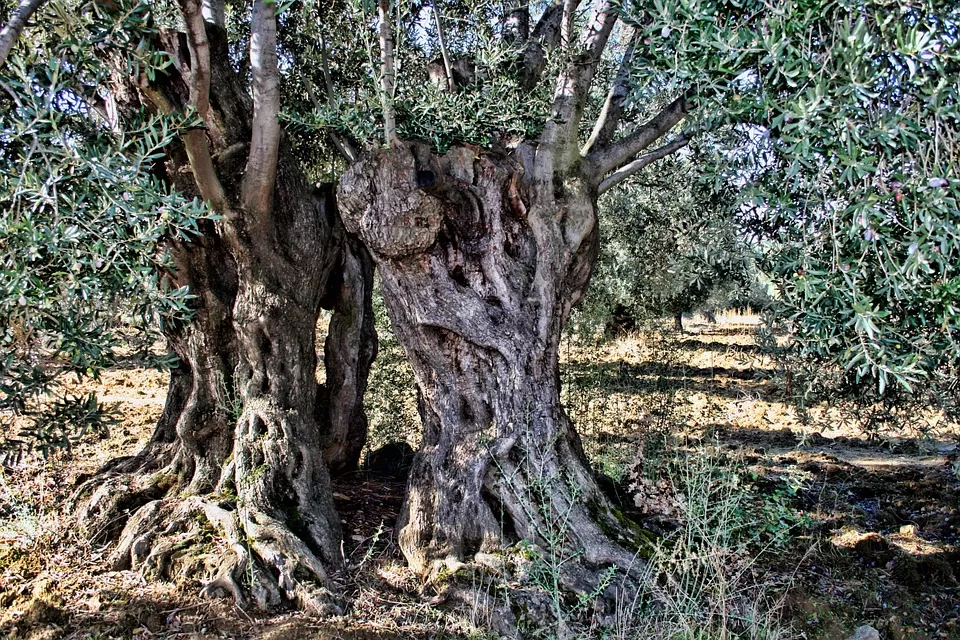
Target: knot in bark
382, 200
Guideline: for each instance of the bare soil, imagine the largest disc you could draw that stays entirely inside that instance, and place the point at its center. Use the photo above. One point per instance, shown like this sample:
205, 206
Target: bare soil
874, 523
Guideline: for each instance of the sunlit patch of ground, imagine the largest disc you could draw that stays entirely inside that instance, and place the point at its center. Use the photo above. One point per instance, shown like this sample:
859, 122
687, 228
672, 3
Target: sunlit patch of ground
877, 543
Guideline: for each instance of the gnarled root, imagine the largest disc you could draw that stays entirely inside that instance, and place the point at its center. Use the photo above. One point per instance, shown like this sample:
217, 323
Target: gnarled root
522, 591
239, 554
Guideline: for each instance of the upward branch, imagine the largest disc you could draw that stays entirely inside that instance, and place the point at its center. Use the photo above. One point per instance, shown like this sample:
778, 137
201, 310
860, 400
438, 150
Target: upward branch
261, 173
606, 125
545, 37
388, 74
447, 67
566, 26
559, 136
195, 141
18, 21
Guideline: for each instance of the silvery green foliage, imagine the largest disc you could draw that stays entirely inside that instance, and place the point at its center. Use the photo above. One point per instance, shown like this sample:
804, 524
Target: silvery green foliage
668, 245
850, 172
83, 219
492, 106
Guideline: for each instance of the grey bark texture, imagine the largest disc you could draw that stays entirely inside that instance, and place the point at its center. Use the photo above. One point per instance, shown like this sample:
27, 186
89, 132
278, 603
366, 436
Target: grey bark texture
247, 434
481, 266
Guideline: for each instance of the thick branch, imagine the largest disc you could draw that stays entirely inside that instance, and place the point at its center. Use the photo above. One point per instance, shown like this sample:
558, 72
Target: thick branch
566, 25
516, 25
214, 12
606, 125
261, 173
388, 73
628, 170
615, 155
18, 21
546, 36
559, 136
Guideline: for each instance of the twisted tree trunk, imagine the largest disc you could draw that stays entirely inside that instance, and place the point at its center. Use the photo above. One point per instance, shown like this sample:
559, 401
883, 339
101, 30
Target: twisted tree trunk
247, 434
481, 266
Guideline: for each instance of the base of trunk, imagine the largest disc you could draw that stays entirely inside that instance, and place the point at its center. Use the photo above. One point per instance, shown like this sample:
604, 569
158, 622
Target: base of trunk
242, 553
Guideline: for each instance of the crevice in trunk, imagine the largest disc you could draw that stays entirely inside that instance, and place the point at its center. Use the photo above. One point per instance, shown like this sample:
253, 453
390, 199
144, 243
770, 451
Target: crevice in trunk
480, 270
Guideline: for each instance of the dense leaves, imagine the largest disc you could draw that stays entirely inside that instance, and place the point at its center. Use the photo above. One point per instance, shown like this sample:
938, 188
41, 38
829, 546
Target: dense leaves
850, 114
83, 219
669, 245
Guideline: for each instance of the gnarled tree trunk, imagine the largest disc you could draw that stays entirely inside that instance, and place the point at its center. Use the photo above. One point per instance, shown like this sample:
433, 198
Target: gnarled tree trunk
247, 434
481, 266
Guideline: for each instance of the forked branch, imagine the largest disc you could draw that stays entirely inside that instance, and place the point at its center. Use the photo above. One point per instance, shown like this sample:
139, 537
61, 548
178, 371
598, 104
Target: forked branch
630, 169
559, 136
606, 159
609, 119
261, 173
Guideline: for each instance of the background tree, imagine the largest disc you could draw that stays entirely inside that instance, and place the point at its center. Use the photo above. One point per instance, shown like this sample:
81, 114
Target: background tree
669, 245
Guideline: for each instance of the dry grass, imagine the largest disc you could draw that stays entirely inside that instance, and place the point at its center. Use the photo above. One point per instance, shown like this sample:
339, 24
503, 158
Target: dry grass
699, 414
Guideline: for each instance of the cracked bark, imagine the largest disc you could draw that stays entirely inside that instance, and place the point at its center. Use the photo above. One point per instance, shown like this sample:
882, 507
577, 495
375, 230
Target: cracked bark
246, 435
480, 271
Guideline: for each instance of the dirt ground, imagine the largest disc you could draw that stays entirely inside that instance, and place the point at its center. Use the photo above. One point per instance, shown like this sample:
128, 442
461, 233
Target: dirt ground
854, 530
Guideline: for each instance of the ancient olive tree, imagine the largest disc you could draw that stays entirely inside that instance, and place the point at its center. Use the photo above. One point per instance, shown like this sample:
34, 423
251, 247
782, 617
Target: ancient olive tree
485, 243
247, 437
482, 254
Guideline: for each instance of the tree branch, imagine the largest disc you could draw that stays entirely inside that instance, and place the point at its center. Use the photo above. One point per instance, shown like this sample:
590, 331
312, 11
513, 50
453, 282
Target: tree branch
546, 36
198, 79
566, 25
615, 155
628, 170
261, 172
606, 126
516, 24
447, 67
214, 12
199, 76
18, 22
388, 73
559, 136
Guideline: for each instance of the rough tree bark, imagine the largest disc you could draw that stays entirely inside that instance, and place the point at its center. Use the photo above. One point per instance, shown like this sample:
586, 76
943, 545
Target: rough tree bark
247, 435
480, 271
482, 256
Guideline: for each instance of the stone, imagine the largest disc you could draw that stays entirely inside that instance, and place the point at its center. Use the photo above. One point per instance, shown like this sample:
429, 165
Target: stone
865, 632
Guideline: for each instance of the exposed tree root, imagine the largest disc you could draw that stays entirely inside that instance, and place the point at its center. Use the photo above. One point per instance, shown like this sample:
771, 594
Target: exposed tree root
517, 594
243, 554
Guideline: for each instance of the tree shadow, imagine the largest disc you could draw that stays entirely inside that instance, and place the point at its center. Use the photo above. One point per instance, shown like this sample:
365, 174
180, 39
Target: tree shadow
696, 344
655, 377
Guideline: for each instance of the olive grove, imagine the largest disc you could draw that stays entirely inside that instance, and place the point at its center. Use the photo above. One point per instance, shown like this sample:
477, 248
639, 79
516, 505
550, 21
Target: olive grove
170, 157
